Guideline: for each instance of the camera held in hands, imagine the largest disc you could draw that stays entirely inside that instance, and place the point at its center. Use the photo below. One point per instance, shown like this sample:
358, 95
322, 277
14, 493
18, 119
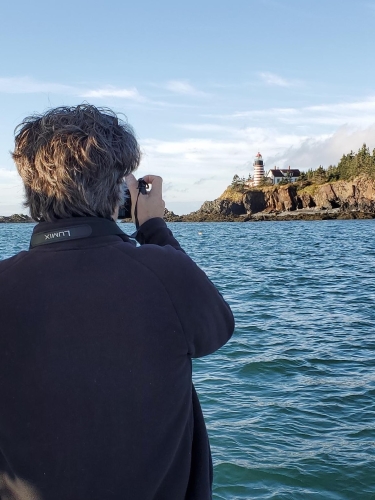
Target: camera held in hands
125, 211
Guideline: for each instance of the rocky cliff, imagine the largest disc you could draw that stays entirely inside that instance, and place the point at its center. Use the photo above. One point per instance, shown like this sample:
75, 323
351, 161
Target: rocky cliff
341, 199
357, 195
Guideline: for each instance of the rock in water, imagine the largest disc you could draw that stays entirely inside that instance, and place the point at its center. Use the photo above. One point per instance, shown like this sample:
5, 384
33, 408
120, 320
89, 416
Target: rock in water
15, 218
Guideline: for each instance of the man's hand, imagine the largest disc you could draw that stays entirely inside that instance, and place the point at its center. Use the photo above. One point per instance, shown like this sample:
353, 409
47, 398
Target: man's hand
149, 205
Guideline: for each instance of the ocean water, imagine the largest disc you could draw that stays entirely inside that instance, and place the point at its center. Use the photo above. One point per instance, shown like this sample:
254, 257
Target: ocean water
290, 401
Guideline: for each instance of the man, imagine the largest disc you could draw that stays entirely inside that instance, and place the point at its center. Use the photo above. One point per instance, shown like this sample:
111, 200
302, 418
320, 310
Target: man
97, 335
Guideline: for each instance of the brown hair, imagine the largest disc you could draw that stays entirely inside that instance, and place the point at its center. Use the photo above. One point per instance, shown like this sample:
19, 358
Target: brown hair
72, 161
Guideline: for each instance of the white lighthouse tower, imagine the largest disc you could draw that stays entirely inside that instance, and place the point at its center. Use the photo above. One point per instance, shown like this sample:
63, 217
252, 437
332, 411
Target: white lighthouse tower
258, 169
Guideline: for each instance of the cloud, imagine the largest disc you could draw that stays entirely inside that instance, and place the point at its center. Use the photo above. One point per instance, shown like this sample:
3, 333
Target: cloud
358, 113
281, 113
313, 151
190, 148
204, 127
261, 115
204, 179
109, 91
184, 162
183, 88
26, 85
366, 105
276, 80
188, 159
168, 186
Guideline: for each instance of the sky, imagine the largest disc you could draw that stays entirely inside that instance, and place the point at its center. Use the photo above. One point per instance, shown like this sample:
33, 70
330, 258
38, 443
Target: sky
206, 84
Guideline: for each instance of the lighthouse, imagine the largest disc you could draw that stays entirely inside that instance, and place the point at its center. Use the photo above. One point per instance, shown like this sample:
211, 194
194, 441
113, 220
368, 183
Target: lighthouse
258, 169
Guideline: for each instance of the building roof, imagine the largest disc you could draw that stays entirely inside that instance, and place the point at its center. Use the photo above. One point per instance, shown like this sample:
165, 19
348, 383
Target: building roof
276, 172
294, 172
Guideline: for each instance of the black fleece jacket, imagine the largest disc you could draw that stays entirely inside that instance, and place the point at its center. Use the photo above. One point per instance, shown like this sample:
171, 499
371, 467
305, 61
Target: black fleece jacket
96, 341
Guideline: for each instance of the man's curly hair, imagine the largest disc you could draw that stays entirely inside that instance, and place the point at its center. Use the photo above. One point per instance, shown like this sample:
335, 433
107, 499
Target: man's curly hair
72, 161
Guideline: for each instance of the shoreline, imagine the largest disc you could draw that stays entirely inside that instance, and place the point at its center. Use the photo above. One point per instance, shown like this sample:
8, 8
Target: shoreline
286, 215
304, 214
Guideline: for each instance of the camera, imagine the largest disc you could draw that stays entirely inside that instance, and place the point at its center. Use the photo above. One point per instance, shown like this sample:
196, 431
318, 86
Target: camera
125, 210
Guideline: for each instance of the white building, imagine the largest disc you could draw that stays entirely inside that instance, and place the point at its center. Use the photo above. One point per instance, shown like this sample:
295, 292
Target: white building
277, 175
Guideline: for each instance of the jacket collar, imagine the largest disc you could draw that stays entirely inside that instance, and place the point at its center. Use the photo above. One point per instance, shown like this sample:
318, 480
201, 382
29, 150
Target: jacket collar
46, 233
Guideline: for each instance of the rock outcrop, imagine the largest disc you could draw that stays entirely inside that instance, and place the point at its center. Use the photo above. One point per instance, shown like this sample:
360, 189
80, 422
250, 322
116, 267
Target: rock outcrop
224, 207
15, 218
254, 201
356, 195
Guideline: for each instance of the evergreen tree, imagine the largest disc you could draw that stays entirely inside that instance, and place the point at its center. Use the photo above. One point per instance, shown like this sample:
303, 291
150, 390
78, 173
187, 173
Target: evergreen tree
363, 161
235, 181
238, 183
352, 165
310, 174
345, 166
332, 173
320, 175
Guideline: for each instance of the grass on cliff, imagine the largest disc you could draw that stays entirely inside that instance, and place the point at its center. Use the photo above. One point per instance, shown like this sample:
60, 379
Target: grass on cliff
310, 189
236, 194
233, 195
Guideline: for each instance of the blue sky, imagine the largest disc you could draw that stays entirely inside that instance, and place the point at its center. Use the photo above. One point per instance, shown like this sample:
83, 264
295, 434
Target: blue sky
206, 84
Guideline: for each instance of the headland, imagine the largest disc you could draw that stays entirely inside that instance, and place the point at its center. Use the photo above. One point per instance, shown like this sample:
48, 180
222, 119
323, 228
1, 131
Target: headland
301, 200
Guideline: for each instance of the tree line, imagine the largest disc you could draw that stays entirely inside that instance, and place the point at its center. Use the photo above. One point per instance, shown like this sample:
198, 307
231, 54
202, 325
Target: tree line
351, 165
